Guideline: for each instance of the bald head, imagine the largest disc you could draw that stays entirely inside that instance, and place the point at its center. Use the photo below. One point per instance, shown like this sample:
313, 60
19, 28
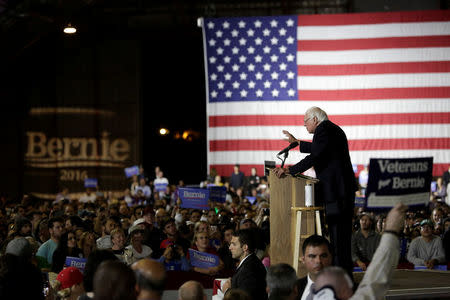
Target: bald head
151, 277
338, 279
191, 290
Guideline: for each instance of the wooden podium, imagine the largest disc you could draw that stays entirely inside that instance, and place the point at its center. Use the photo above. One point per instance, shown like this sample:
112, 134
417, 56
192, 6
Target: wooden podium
287, 203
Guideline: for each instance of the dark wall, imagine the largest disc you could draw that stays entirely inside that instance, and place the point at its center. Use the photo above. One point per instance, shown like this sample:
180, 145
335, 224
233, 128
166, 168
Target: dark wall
100, 77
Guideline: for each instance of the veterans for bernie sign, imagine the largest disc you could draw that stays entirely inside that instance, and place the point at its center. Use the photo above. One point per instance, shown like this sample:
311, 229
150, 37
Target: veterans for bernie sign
405, 180
194, 198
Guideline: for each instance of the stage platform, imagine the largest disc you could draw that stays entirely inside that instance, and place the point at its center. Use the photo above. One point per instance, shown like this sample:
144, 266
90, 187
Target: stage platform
417, 284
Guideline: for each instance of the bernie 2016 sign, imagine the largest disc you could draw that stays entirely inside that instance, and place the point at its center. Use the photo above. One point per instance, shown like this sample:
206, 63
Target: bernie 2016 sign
194, 198
399, 180
76, 262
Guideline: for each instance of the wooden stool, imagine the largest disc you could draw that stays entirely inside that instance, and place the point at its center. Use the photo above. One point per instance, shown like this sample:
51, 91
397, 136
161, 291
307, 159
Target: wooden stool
298, 231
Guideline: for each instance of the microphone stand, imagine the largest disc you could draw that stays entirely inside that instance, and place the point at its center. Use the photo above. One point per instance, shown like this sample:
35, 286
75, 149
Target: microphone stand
286, 154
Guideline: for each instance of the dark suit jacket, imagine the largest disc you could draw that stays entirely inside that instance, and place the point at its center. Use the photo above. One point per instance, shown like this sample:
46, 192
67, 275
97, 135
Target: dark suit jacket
301, 284
331, 161
251, 277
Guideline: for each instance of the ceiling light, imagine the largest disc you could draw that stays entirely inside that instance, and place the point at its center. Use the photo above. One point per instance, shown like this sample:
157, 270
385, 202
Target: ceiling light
69, 29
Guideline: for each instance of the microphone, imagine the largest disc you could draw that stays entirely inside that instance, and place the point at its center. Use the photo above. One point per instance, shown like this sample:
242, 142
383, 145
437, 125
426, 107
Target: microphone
285, 150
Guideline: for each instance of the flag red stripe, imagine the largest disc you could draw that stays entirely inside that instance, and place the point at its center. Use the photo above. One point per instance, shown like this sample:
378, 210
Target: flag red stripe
374, 43
227, 169
343, 120
378, 68
373, 18
354, 145
381, 93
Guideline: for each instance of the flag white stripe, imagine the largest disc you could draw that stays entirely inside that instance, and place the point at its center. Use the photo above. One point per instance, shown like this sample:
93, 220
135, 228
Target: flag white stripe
357, 157
373, 81
331, 107
368, 31
352, 132
345, 57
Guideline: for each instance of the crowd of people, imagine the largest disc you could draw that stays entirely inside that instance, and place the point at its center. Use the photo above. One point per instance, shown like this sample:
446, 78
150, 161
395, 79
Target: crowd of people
145, 233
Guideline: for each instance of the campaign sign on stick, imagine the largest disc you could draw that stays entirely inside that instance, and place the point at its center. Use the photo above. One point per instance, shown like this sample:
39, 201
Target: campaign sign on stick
194, 198
161, 187
90, 183
202, 259
76, 262
129, 172
217, 193
405, 180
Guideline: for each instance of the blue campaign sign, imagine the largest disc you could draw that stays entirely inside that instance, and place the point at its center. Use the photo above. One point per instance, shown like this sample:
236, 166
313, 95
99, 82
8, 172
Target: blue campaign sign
217, 193
90, 183
436, 267
161, 187
202, 259
251, 199
129, 172
76, 262
194, 198
405, 180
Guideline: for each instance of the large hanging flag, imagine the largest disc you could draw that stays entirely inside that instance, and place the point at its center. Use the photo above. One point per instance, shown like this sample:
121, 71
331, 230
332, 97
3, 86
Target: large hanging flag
383, 77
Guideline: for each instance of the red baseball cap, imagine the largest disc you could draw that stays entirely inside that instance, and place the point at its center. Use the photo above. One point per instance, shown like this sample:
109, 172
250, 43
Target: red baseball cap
69, 277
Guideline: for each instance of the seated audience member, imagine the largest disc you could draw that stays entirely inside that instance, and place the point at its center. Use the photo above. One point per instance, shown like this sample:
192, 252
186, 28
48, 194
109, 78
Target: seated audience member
16, 269
153, 236
174, 259
282, 282
334, 282
92, 263
45, 251
138, 250
114, 281
446, 240
236, 294
173, 236
104, 242
201, 243
87, 243
118, 246
224, 251
70, 284
22, 226
426, 250
437, 217
67, 247
364, 242
317, 255
150, 278
191, 290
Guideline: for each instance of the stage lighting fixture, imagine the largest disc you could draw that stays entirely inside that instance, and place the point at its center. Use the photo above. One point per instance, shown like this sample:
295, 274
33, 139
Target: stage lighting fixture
69, 29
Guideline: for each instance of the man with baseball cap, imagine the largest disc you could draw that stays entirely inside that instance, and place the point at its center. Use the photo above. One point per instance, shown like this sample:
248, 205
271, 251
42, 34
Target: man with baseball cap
426, 249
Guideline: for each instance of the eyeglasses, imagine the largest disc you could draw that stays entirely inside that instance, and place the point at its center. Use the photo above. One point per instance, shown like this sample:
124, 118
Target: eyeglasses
307, 120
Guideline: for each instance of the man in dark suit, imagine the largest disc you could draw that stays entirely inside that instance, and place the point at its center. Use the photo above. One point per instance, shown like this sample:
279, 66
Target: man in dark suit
316, 256
330, 158
250, 274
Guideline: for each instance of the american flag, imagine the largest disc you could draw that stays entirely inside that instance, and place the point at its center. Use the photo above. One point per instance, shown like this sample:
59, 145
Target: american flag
383, 77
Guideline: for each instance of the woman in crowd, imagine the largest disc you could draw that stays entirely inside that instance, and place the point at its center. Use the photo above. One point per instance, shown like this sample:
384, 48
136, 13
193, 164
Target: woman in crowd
118, 246
67, 246
201, 243
87, 243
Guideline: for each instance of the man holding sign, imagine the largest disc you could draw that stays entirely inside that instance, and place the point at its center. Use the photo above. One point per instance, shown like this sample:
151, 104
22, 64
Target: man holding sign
330, 158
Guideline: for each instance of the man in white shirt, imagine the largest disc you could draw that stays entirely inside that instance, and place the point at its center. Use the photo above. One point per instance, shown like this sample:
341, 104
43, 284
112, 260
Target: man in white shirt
316, 256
